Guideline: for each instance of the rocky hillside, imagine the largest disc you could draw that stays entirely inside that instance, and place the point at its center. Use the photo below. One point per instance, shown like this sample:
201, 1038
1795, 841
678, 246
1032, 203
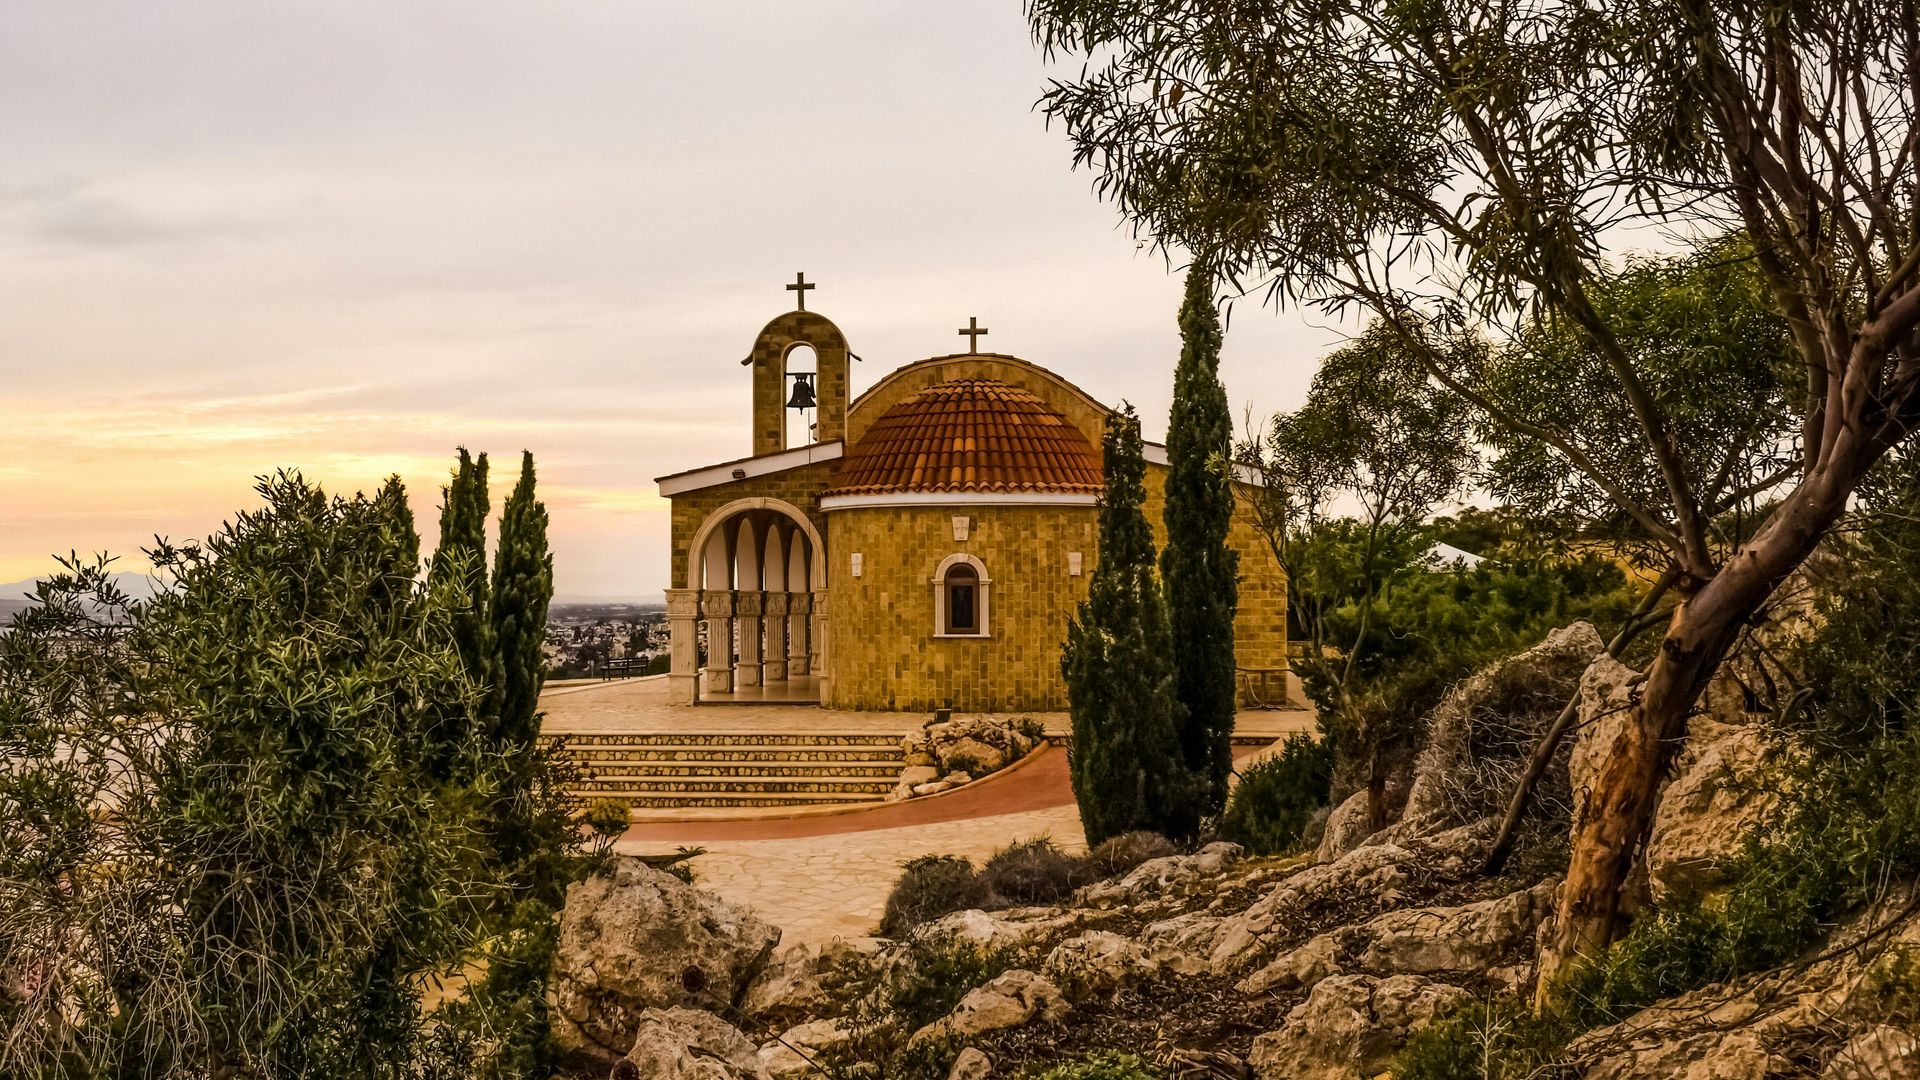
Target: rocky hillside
1208, 964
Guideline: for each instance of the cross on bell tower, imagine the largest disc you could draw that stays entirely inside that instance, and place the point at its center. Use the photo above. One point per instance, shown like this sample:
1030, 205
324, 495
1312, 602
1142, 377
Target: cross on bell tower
971, 332
800, 285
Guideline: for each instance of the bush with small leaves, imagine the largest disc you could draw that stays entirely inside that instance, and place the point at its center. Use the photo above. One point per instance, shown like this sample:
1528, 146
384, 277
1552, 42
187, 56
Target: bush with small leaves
1031, 872
929, 887
1102, 1065
1275, 798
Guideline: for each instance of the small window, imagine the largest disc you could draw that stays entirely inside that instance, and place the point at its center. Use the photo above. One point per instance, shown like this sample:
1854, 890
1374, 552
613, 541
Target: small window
963, 600
960, 597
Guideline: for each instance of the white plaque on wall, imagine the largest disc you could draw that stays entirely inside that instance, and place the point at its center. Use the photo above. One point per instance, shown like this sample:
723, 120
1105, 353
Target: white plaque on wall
856, 564
1073, 563
960, 527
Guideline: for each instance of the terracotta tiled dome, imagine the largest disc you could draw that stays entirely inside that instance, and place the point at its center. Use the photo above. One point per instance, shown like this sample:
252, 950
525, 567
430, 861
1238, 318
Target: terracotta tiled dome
970, 435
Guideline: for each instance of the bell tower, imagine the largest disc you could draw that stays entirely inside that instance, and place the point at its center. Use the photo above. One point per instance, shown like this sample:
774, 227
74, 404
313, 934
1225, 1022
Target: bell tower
773, 389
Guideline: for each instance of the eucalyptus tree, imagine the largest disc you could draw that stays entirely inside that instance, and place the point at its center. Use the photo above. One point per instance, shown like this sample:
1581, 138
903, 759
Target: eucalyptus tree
1464, 170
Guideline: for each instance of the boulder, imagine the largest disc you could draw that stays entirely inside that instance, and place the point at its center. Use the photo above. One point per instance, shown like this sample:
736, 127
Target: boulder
687, 1044
1011, 1000
912, 777
1347, 828
1155, 879
981, 740
1606, 697
1718, 796
1097, 963
633, 938
1350, 1026
1305, 966
1011, 928
788, 986
972, 1064
1485, 727
1879, 1052
1468, 938
798, 1050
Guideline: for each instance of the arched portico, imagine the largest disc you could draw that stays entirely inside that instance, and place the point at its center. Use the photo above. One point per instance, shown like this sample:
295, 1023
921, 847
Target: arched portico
744, 625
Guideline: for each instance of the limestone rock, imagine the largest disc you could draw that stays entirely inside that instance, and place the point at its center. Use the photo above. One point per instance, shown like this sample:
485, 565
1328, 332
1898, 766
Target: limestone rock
1346, 828
633, 938
798, 1050
1011, 1000
1097, 963
972, 1064
1468, 938
1350, 1026
1737, 1055
1880, 1052
977, 740
955, 779
1010, 928
1718, 796
788, 986
1302, 967
1487, 725
919, 774
1156, 878
687, 1044
1606, 695
934, 787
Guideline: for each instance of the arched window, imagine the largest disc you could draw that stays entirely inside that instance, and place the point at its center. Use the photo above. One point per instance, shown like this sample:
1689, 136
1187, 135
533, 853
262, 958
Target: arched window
960, 597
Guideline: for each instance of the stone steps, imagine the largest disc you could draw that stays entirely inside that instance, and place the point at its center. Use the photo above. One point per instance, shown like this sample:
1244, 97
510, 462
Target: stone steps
666, 771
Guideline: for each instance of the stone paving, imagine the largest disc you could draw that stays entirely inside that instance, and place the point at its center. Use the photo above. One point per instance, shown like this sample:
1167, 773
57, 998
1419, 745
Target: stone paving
827, 875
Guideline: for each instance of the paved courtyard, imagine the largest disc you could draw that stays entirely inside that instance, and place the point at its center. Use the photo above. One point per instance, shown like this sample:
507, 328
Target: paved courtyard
821, 876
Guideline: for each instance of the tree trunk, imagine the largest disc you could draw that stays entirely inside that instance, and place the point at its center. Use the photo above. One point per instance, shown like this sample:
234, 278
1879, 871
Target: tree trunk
1607, 834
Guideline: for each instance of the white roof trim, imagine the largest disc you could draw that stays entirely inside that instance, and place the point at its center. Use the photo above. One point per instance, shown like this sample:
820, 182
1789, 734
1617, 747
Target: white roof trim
958, 498
1156, 454
724, 473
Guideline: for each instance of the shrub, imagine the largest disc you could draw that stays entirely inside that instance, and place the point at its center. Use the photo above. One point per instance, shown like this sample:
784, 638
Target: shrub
1031, 728
1276, 797
890, 996
1493, 1040
1102, 1065
1119, 854
1031, 872
967, 763
929, 887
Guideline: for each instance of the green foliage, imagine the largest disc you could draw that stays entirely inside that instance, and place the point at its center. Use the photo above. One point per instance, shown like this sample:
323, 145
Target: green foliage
283, 860
459, 571
1499, 1039
1848, 821
1127, 769
522, 589
967, 763
1277, 796
1201, 572
1031, 872
1116, 855
501, 1020
929, 887
1103, 1065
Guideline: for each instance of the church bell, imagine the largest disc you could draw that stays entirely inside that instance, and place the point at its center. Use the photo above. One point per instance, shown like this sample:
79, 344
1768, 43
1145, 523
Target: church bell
802, 396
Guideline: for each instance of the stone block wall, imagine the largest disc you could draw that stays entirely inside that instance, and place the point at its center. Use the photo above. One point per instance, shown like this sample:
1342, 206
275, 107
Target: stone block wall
885, 653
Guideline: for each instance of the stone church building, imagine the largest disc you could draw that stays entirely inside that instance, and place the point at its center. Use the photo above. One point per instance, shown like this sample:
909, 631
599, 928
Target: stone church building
918, 546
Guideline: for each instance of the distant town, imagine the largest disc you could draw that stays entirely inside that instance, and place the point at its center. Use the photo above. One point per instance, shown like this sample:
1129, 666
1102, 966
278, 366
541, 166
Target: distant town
605, 640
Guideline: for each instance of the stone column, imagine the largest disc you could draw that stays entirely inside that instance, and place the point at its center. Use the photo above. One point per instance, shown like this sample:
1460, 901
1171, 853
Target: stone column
683, 646
776, 657
799, 610
822, 645
717, 606
747, 607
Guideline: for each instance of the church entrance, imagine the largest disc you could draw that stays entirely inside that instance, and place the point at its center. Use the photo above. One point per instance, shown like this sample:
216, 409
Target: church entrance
759, 638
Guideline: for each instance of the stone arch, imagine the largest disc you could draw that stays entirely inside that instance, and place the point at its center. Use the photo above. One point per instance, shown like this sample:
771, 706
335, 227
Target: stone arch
712, 526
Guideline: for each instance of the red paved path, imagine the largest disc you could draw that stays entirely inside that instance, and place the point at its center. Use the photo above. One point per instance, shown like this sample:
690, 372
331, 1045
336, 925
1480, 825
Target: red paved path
1039, 784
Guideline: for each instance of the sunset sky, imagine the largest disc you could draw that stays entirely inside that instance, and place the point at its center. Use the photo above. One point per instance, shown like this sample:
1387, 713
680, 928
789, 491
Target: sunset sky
348, 236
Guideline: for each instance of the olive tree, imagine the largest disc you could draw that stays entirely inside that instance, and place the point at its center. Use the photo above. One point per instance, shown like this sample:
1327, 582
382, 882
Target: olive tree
1467, 170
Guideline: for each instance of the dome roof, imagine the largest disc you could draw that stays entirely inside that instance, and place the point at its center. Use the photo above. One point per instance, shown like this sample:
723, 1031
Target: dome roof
970, 435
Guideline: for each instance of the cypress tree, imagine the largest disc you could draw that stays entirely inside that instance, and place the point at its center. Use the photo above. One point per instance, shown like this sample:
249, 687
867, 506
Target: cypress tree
1125, 758
459, 565
522, 590
1200, 571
